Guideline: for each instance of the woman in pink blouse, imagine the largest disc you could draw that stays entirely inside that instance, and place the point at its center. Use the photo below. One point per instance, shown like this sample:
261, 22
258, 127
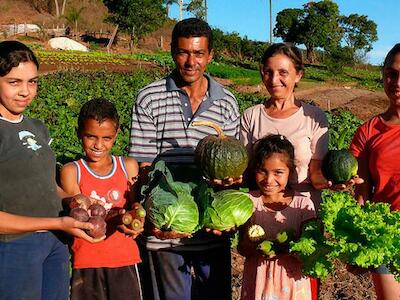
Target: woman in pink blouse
304, 125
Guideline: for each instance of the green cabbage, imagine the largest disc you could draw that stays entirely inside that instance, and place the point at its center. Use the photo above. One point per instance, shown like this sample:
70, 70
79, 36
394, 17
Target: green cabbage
170, 204
227, 209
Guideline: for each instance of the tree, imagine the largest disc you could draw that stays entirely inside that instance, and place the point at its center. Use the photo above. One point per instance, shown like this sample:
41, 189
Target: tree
359, 32
320, 26
47, 5
41, 5
287, 24
270, 21
180, 9
73, 17
137, 18
197, 8
58, 12
315, 26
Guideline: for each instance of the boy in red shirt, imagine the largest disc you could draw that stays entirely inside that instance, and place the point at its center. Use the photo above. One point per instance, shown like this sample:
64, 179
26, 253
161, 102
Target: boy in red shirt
107, 269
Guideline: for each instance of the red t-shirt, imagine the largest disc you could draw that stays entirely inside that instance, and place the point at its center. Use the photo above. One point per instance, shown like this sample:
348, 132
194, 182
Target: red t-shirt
379, 143
116, 250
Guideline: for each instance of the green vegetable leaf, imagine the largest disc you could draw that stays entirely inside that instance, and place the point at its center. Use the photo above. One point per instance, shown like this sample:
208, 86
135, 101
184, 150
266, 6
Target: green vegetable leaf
228, 208
170, 204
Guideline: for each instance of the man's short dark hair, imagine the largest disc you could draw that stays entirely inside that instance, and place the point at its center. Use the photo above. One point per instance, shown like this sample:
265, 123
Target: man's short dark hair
191, 27
98, 109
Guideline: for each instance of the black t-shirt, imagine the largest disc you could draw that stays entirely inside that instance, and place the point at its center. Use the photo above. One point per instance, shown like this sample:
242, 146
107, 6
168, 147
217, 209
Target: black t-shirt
27, 171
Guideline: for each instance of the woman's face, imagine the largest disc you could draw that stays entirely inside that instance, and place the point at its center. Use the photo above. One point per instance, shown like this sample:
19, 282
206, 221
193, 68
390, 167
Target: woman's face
391, 80
17, 89
280, 76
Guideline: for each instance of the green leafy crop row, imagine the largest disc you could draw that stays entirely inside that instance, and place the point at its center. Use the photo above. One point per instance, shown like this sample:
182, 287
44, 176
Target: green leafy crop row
62, 94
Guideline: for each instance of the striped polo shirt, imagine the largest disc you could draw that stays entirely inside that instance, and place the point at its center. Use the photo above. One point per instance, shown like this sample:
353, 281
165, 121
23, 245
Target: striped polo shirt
162, 117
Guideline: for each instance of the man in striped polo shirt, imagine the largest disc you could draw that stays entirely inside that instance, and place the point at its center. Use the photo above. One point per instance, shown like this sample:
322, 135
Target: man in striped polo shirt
179, 268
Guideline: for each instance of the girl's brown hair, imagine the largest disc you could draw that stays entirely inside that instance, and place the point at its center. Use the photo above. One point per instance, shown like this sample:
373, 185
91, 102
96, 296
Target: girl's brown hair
12, 53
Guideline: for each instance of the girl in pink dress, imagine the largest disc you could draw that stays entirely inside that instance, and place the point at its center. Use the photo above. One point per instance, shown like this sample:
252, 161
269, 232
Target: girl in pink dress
277, 208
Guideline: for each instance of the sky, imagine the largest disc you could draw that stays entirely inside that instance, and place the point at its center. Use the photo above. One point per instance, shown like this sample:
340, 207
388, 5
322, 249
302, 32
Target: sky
251, 18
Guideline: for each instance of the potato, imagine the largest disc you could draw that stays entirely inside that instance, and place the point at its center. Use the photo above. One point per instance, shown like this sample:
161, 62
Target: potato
80, 201
97, 210
79, 214
99, 227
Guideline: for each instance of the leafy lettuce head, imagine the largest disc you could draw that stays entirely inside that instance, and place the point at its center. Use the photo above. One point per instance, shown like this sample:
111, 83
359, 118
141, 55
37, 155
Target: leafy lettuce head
169, 204
227, 209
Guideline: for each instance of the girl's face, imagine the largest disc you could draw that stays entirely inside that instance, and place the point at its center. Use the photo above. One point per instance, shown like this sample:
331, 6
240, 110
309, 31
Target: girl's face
17, 89
391, 80
280, 76
273, 175
97, 139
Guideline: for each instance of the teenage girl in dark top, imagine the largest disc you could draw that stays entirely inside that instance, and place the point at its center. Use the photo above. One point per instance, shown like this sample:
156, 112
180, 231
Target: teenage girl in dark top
34, 263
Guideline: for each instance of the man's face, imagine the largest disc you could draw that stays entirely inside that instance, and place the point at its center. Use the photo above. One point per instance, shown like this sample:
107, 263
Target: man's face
191, 57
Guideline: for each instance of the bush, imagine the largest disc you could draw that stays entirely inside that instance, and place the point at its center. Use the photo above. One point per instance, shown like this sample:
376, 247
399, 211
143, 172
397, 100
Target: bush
342, 125
338, 58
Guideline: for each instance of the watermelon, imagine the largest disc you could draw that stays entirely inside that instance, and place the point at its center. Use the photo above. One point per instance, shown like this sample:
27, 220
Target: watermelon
339, 166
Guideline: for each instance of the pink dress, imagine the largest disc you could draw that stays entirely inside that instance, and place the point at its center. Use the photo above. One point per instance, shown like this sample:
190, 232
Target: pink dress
279, 278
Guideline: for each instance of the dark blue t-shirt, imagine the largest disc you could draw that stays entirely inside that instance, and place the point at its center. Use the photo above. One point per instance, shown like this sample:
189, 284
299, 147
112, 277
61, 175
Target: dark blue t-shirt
27, 171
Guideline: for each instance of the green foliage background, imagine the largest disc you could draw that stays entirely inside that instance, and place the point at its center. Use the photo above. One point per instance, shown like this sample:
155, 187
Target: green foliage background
62, 94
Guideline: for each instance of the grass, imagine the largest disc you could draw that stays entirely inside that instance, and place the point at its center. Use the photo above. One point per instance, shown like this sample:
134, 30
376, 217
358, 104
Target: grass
238, 75
367, 78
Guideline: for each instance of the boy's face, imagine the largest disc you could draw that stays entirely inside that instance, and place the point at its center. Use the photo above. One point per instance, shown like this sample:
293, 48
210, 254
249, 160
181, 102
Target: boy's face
97, 139
17, 89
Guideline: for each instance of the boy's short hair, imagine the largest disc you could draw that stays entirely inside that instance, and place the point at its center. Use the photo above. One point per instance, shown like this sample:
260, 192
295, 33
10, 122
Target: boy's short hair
12, 53
191, 27
98, 109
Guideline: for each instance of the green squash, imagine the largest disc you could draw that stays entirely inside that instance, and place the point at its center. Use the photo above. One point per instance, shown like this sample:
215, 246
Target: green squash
339, 166
220, 156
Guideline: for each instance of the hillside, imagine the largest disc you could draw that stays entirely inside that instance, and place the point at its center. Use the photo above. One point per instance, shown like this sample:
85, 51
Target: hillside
23, 11
91, 21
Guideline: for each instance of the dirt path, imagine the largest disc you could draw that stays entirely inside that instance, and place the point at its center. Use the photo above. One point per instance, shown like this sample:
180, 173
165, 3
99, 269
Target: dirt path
361, 102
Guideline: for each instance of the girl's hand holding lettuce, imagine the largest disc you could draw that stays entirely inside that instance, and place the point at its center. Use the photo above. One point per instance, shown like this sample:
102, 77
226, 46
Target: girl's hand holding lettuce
362, 236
